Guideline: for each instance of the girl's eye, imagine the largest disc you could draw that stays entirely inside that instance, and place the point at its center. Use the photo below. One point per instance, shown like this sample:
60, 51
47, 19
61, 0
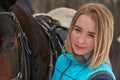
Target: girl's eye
91, 35
78, 30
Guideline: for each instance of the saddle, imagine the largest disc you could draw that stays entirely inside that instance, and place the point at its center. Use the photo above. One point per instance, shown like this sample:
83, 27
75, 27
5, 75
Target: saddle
53, 27
56, 35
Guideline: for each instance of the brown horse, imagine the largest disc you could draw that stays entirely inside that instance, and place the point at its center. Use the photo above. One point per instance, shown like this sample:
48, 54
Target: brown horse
13, 47
37, 40
12, 64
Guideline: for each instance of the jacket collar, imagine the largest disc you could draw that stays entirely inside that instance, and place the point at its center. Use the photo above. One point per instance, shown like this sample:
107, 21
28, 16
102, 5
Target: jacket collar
79, 59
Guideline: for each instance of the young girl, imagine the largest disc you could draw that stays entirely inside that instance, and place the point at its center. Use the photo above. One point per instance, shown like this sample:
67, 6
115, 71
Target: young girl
87, 46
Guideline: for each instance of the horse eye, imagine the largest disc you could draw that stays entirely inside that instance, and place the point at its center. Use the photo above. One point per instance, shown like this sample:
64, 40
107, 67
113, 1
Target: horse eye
10, 44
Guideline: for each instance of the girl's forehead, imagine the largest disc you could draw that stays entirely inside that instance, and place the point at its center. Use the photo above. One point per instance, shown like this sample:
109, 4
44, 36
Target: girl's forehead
86, 22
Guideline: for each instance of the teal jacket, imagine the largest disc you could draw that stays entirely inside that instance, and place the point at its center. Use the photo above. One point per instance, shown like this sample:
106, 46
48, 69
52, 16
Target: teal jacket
67, 68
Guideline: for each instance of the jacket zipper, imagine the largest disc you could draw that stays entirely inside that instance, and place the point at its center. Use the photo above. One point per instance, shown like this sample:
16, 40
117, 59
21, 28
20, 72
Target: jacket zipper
65, 70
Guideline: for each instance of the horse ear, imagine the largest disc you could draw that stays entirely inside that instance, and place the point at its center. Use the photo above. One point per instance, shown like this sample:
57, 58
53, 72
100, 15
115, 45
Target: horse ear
7, 3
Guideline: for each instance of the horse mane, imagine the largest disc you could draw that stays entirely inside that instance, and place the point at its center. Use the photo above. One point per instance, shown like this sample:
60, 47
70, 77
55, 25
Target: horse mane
25, 5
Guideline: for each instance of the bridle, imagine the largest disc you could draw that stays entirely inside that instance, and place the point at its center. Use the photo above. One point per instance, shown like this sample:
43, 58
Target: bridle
24, 50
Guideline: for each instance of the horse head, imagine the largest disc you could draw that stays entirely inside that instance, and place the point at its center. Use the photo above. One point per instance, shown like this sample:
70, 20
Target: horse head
13, 45
8, 42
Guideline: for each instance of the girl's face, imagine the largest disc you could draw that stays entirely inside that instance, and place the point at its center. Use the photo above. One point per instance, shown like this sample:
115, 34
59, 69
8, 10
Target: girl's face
83, 35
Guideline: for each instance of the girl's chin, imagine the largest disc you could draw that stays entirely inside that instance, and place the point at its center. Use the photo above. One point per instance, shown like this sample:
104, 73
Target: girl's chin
78, 52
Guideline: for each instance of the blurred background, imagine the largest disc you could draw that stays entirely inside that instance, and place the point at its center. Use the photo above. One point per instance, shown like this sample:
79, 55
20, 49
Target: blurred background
44, 6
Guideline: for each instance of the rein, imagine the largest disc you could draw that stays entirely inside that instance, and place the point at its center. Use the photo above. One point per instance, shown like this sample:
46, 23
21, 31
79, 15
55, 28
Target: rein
24, 50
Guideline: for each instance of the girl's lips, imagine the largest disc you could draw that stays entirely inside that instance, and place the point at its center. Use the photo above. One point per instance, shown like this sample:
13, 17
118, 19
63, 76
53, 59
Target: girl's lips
79, 47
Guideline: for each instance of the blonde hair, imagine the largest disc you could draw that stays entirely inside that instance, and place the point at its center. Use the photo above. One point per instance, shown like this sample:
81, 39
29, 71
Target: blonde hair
104, 26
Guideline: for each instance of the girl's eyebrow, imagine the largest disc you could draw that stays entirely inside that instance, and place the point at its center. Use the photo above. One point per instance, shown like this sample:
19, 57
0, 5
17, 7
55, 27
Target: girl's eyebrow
93, 33
78, 27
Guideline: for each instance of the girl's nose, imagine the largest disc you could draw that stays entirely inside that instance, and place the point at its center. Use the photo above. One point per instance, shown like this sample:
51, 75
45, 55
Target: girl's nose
82, 38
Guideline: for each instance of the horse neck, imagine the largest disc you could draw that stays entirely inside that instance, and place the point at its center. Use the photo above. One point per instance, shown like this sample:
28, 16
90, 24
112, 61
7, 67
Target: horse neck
27, 23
